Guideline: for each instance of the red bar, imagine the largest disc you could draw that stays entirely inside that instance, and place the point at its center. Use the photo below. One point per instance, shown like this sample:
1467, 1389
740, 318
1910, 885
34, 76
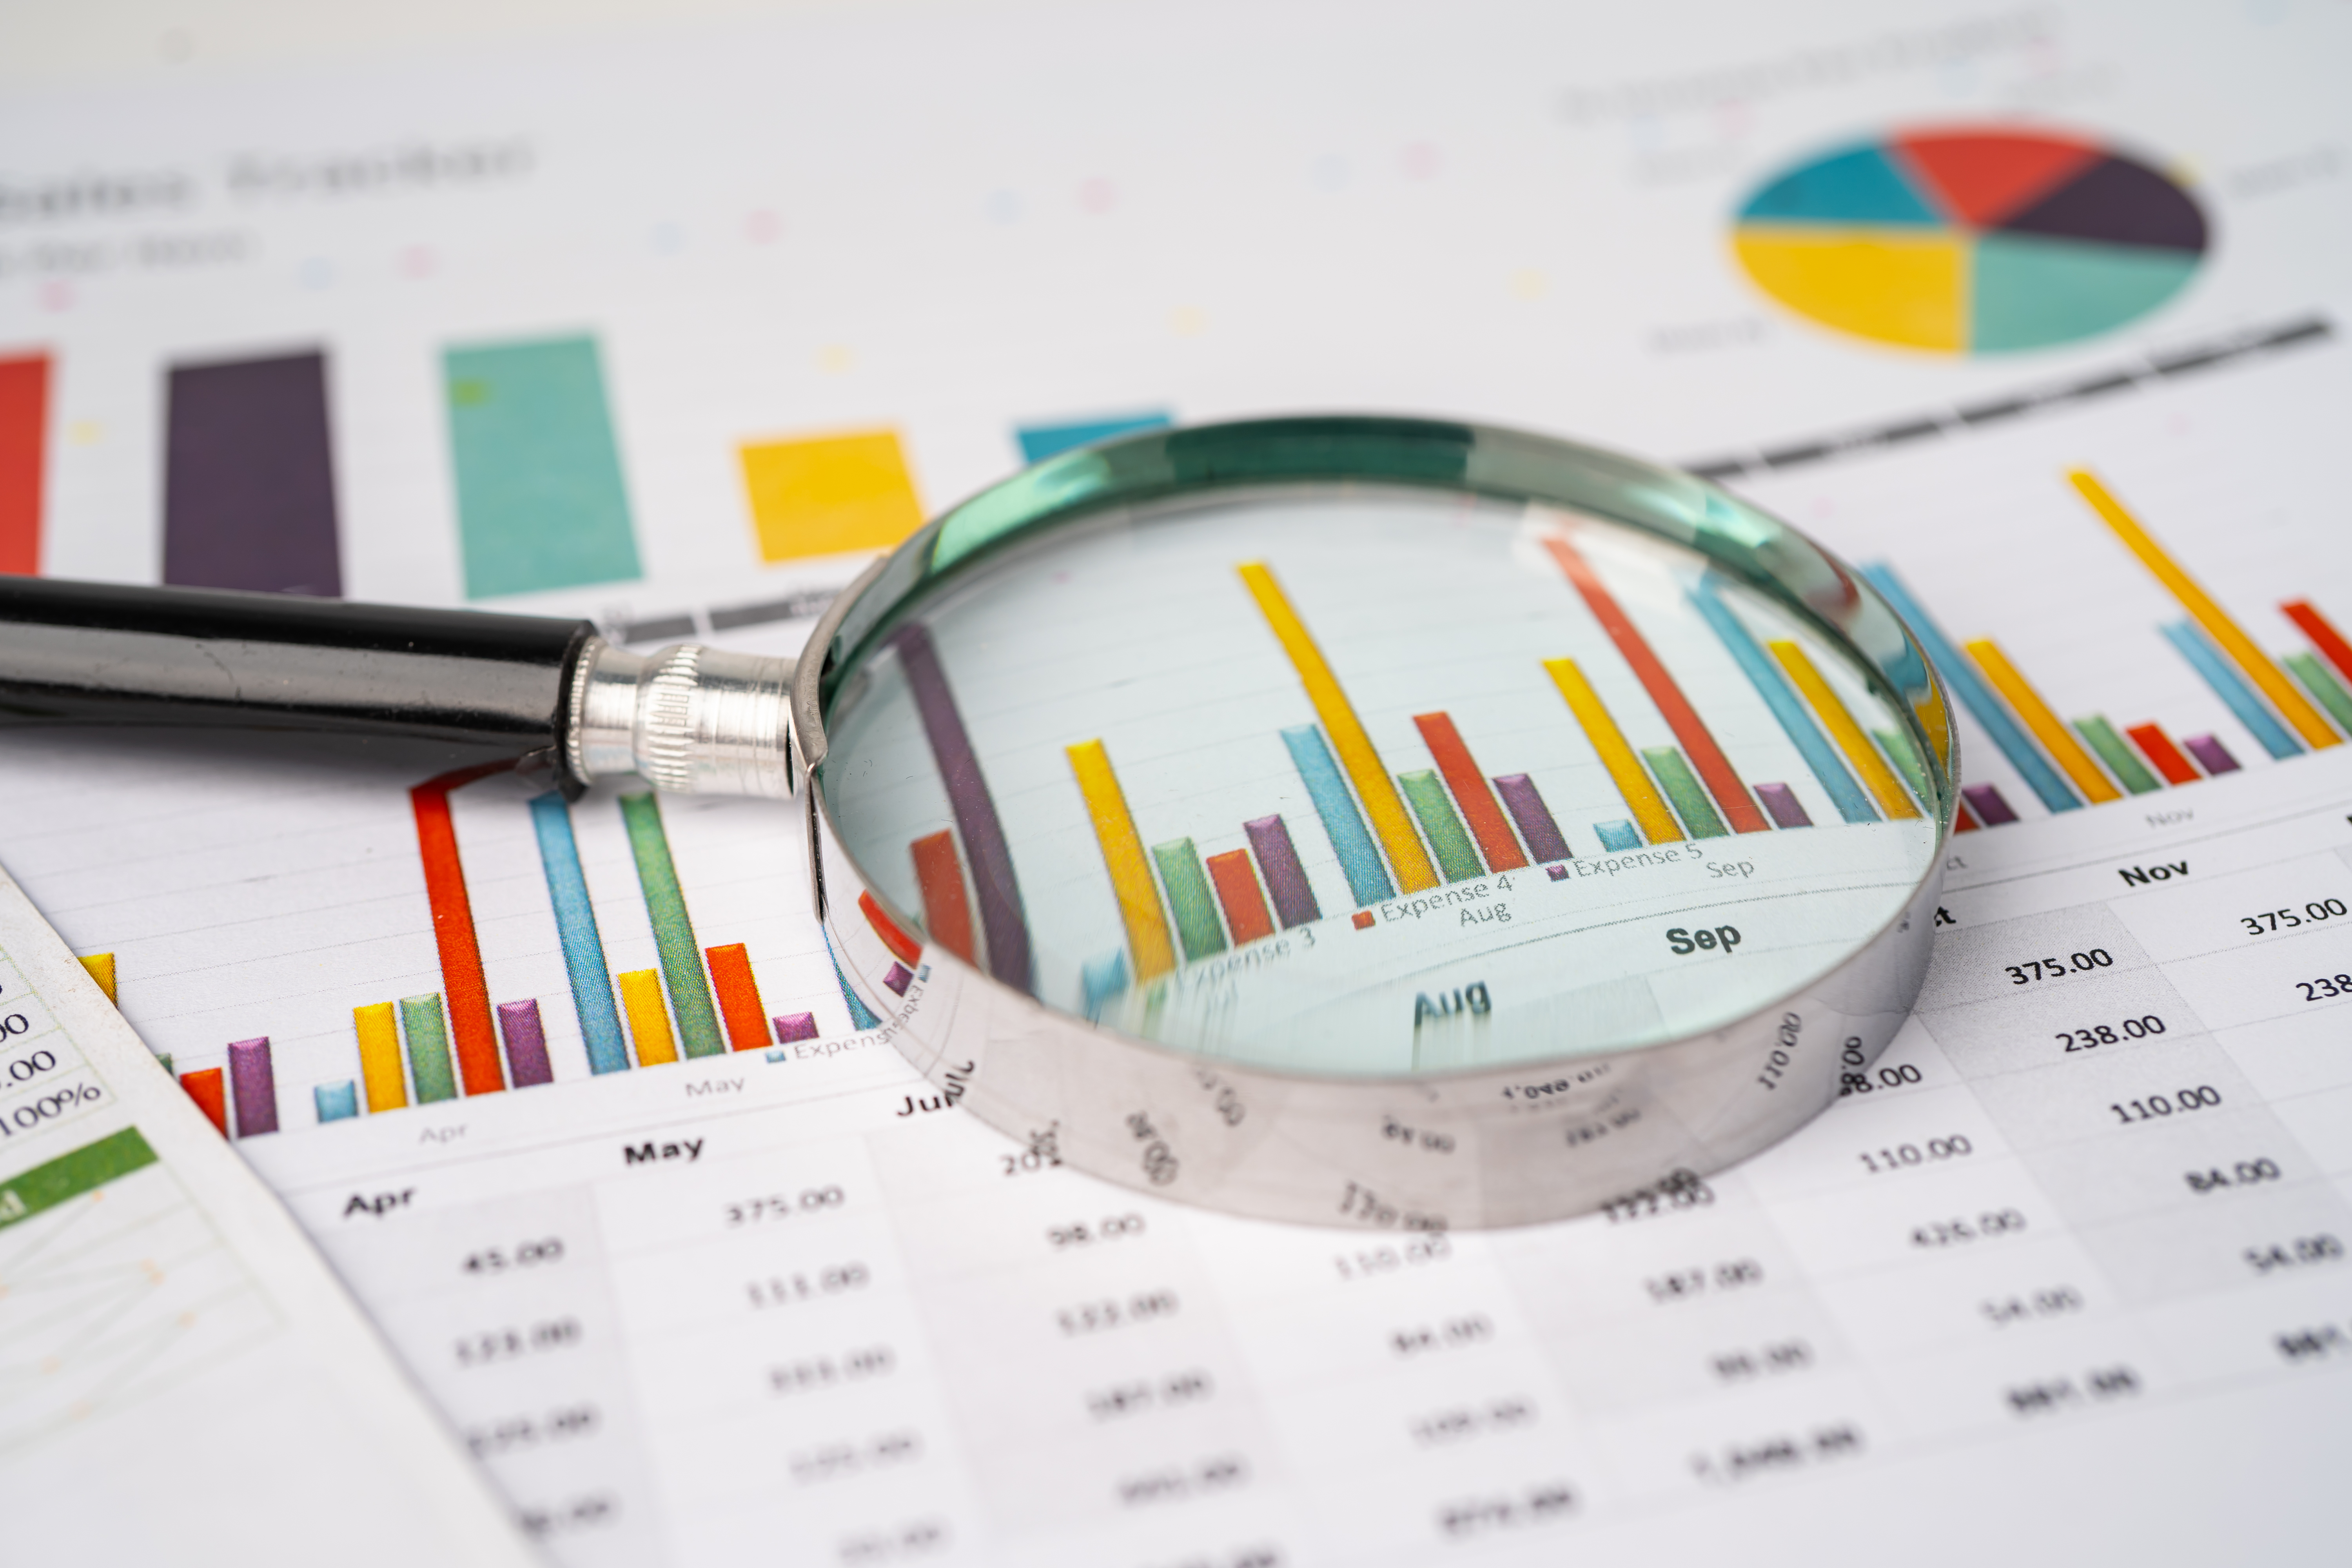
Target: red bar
2158, 747
1964, 820
1479, 807
904, 948
2324, 637
24, 430
209, 1090
471, 1031
1237, 889
739, 996
1739, 808
947, 912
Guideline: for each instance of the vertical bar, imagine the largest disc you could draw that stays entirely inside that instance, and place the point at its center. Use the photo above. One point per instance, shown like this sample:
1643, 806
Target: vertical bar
681, 959
947, 912
2129, 771
1039, 442
739, 996
24, 452
453, 928
641, 998
1616, 836
861, 1017
2322, 633
1286, 878
1876, 777
1188, 898
422, 1020
526, 1036
2158, 747
2020, 696
1471, 793
1365, 771
101, 969
1457, 856
1100, 979
1990, 807
1642, 797
575, 928
248, 478
1237, 891
1001, 924
902, 945
2209, 613
335, 1101
1963, 819
1526, 803
1360, 860
1773, 687
793, 1027
1681, 786
1122, 853
1782, 801
2211, 754
210, 1091
2267, 731
2324, 688
380, 1068
540, 500
1975, 695
253, 1086
1907, 765
1697, 743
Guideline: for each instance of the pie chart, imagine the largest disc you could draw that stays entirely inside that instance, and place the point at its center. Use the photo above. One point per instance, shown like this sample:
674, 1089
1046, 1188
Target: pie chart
1968, 240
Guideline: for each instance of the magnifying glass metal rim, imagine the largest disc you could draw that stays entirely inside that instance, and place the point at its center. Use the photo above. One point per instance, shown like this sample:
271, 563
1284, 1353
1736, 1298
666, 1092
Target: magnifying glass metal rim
1457, 1148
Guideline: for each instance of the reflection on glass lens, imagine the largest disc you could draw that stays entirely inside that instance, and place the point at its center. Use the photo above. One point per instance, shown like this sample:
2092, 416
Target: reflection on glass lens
1368, 781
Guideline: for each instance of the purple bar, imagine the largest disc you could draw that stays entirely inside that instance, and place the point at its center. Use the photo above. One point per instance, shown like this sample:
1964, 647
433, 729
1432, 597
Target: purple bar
254, 1083
1286, 878
1990, 809
2210, 754
248, 478
990, 858
527, 1061
1557, 873
1787, 810
900, 978
795, 1026
1544, 839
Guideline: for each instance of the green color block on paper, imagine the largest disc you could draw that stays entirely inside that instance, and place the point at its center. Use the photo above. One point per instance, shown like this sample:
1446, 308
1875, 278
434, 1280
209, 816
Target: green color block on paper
1190, 898
681, 959
2121, 760
1457, 857
427, 1029
2325, 688
67, 1177
1681, 786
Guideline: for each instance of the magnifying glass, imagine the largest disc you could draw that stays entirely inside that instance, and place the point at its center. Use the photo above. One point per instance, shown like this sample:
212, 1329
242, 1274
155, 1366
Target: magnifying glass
1337, 820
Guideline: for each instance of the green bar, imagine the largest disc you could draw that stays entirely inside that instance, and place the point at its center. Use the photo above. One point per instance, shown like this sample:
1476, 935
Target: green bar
1442, 824
166, 1057
539, 498
2322, 687
681, 959
1189, 897
1690, 802
2121, 760
428, 1030
44, 1187
1905, 758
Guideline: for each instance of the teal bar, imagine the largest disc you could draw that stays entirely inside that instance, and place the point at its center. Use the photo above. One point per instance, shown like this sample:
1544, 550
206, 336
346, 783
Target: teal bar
1787, 707
427, 1029
1190, 898
2232, 689
1682, 788
681, 959
861, 1017
336, 1101
2322, 687
1457, 857
1617, 834
1360, 861
1906, 757
541, 504
2121, 760
1102, 979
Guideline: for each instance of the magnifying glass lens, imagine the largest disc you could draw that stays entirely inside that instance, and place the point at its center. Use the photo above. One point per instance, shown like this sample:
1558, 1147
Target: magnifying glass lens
1348, 781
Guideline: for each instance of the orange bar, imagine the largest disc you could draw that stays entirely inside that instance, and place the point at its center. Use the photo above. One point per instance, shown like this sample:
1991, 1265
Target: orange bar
209, 1090
739, 996
1739, 808
904, 948
1964, 820
2322, 633
481, 1065
947, 912
2158, 747
1237, 889
1479, 807
23, 440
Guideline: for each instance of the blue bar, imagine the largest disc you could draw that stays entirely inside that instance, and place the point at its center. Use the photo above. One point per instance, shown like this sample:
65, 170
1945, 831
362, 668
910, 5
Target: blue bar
1773, 687
861, 1017
1102, 979
583, 947
1368, 879
336, 1101
1619, 834
1962, 677
1039, 442
2233, 690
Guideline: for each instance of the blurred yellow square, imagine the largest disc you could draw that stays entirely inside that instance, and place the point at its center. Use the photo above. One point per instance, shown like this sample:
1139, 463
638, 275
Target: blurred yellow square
830, 494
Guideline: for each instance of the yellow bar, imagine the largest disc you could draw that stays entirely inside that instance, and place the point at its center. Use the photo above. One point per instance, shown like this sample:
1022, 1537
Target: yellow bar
101, 969
2211, 617
641, 998
2056, 738
1122, 852
1864, 758
380, 1069
1642, 797
1391, 823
